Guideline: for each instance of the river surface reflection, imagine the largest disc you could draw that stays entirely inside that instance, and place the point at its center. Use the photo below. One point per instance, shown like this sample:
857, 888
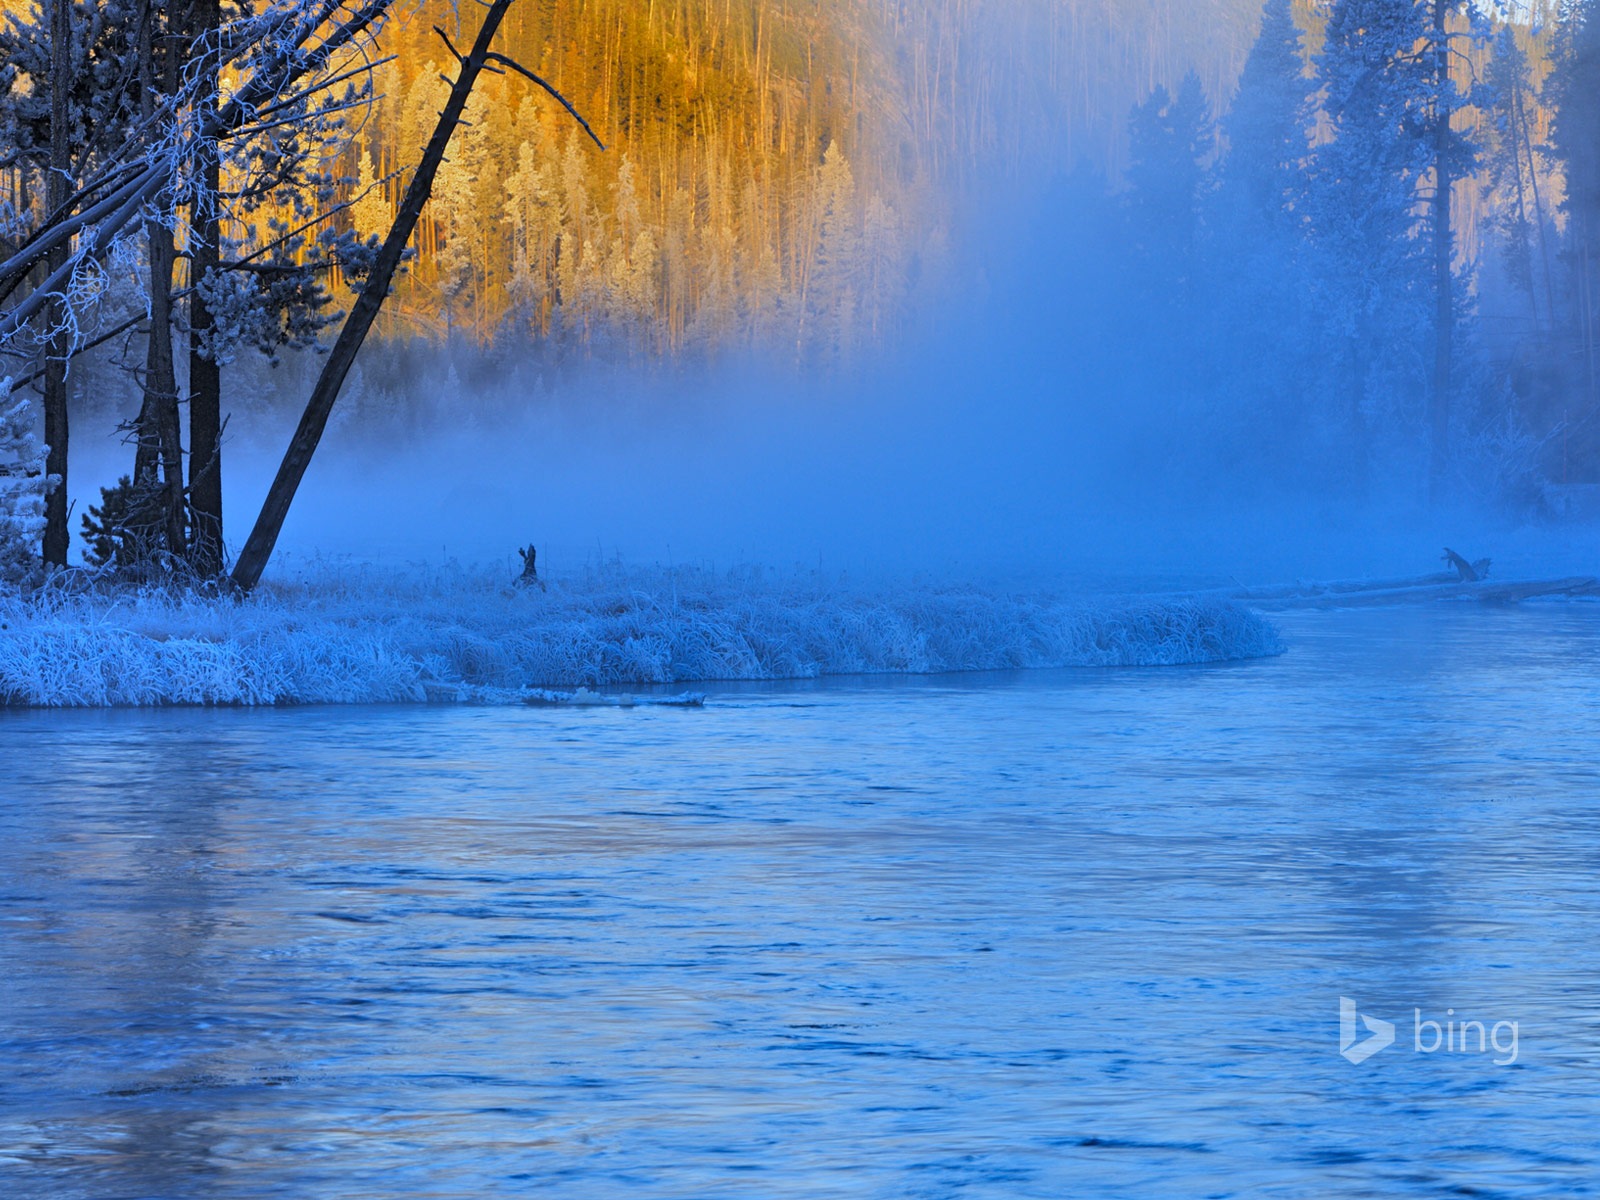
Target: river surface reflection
1060, 933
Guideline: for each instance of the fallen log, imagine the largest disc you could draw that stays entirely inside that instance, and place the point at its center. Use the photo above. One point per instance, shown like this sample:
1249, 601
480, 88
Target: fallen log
1309, 591
1346, 596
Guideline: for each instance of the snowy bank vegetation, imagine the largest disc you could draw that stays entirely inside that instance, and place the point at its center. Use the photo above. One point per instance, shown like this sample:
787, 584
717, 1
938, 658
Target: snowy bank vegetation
370, 636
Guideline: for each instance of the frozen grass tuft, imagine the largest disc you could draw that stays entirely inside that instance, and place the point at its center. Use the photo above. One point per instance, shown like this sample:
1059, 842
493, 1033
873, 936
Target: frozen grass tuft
362, 635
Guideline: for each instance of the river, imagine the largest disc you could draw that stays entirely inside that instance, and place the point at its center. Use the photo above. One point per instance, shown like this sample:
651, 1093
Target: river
1042, 934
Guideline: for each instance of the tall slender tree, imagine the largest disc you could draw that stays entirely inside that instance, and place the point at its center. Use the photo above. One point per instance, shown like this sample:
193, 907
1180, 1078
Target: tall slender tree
1514, 170
1258, 321
205, 372
1575, 87
1172, 138
59, 187
1453, 157
158, 503
1363, 207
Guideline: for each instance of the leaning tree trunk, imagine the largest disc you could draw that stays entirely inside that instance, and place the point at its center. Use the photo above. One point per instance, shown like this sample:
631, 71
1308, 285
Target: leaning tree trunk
264, 536
205, 376
58, 351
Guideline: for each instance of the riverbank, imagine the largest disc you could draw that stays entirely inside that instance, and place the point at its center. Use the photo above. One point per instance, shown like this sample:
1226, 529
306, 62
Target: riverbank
367, 635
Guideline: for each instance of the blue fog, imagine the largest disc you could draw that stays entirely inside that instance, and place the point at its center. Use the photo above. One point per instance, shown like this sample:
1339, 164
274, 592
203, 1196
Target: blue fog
1028, 425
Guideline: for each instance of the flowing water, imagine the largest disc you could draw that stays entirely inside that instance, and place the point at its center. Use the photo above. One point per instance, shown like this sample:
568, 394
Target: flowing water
1051, 934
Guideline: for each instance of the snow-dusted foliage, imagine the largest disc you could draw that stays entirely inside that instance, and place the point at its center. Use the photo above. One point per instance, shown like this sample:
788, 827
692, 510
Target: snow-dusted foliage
23, 485
363, 636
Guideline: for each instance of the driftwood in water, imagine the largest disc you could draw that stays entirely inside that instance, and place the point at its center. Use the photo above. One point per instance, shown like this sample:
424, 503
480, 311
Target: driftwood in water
1468, 580
1431, 587
584, 698
438, 692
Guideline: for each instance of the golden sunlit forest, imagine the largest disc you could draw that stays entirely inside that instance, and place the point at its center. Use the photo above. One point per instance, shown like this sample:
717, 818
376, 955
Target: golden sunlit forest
778, 173
734, 201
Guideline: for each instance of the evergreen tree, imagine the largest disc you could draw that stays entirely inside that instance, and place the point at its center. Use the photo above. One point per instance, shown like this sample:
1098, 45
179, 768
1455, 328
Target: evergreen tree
1259, 337
1171, 141
831, 288
1381, 209
1453, 156
370, 211
68, 98
533, 210
1516, 189
1362, 207
1266, 128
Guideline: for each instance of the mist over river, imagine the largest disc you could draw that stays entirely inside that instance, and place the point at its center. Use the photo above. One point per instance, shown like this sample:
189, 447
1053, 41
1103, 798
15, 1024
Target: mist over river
1031, 934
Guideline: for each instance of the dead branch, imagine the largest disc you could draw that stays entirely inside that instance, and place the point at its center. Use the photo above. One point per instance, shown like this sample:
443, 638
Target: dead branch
565, 103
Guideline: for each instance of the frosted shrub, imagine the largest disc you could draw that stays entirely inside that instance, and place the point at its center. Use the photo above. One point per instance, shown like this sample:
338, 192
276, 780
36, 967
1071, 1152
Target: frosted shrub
23, 486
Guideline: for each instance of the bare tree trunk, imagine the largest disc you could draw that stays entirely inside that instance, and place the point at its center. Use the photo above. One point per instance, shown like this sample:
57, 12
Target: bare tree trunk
1360, 470
1443, 254
1525, 135
57, 537
1522, 203
264, 536
158, 460
205, 376
158, 456
1589, 311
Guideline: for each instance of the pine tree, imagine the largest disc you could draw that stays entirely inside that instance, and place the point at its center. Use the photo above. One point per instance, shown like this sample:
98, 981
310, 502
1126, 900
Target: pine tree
1362, 207
66, 102
453, 208
1259, 338
1267, 127
532, 210
831, 287
1514, 174
1453, 156
1172, 138
370, 210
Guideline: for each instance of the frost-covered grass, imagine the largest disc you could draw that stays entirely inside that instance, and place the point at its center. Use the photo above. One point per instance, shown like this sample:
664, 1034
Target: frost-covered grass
361, 635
